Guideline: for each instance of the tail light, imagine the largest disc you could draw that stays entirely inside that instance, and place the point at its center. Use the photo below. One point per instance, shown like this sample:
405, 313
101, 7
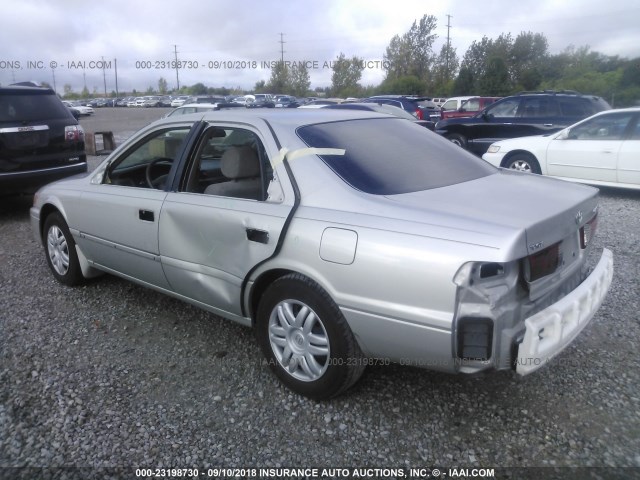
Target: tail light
419, 114
73, 133
542, 263
587, 231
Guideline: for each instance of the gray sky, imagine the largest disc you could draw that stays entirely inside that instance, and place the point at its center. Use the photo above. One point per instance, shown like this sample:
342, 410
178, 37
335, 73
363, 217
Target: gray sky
225, 43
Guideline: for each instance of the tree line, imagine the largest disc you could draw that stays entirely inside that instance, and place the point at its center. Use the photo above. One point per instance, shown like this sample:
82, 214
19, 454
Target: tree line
490, 67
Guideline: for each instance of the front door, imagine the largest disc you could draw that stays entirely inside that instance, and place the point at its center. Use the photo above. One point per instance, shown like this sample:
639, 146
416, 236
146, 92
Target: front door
589, 150
120, 215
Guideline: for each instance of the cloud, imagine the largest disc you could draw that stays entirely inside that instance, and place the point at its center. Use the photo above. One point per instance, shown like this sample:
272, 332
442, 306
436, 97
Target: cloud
223, 36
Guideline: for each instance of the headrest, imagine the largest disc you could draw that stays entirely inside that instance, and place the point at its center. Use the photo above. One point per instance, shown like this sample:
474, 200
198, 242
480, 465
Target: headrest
240, 162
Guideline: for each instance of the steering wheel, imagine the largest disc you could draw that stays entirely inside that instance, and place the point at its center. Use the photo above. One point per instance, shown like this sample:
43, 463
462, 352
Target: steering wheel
158, 182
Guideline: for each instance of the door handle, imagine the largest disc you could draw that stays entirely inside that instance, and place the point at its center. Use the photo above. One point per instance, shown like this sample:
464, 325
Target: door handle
146, 215
255, 235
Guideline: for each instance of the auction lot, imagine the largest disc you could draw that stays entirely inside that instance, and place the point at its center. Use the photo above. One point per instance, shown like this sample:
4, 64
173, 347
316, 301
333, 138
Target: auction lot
115, 375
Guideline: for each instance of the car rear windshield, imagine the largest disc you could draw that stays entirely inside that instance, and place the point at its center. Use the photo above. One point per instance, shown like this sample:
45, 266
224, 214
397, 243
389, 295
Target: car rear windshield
392, 156
29, 106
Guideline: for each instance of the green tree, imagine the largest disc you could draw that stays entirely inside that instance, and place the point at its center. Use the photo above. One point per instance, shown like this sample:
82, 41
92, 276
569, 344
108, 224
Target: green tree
198, 89
464, 83
495, 80
528, 55
68, 91
412, 53
299, 81
444, 70
279, 80
346, 75
260, 87
162, 86
406, 85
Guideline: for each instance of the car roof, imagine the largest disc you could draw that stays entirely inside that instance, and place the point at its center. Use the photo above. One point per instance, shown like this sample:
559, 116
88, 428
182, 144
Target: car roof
24, 89
289, 118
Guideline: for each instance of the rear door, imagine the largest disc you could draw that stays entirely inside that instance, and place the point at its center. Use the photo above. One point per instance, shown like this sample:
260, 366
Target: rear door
224, 218
629, 156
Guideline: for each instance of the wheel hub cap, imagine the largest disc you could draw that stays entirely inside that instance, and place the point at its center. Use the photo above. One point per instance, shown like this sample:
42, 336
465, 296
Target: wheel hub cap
299, 340
58, 250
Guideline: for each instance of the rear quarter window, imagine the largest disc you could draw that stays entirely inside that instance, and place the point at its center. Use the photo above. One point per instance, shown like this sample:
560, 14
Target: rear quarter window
31, 106
393, 156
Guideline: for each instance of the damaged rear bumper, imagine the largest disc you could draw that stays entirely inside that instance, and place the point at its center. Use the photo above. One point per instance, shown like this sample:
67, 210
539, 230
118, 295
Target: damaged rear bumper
549, 331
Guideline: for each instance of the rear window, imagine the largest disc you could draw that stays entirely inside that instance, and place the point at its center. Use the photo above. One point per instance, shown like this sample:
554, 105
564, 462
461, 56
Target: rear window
29, 106
393, 156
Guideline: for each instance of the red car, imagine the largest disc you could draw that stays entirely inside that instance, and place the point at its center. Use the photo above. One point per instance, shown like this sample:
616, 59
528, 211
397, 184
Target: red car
457, 107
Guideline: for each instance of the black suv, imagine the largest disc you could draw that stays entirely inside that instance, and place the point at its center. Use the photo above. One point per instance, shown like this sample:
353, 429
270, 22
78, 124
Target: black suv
40, 140
521, 115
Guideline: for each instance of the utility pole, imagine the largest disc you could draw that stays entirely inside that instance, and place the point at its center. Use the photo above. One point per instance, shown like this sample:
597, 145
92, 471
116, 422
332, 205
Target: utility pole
115, 63
175, 52
104, 79
448, 42
53, 73
282, 42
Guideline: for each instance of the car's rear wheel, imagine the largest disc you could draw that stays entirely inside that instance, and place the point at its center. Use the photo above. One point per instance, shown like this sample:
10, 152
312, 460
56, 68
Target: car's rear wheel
523, 162
60, 251
306, 339
458, 139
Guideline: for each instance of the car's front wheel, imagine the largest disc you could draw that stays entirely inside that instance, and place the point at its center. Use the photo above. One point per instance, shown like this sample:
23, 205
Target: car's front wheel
306, 339
60, 251
523, 162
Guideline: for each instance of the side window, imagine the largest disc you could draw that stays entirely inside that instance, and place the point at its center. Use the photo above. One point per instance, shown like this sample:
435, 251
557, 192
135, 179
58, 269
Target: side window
574, 107
538, 107
148, 163
472, 105
505, 109
229, 162
605, 127
450, 105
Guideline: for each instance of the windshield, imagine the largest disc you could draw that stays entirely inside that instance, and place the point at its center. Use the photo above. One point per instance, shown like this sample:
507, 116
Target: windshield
393, 156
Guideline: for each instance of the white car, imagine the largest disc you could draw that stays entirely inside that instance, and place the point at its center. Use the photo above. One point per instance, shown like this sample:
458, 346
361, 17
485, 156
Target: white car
179, 101
603, 150
81, 109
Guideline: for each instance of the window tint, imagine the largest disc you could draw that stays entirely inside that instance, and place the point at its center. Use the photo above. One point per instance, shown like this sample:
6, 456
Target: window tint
507, 108
392, 156
575, 107
534, 107
29, 106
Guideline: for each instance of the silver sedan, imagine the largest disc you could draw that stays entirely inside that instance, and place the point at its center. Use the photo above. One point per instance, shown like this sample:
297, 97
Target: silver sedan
345, 238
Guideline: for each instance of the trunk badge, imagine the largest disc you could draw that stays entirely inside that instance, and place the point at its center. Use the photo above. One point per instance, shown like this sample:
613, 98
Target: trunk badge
578, 217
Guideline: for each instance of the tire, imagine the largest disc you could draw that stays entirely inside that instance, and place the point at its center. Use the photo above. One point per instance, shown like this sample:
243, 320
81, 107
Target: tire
60, 251
458, 139
523, 162
318, 358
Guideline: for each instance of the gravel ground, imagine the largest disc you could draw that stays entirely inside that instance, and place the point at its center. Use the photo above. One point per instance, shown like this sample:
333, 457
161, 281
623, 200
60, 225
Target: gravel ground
114, 375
